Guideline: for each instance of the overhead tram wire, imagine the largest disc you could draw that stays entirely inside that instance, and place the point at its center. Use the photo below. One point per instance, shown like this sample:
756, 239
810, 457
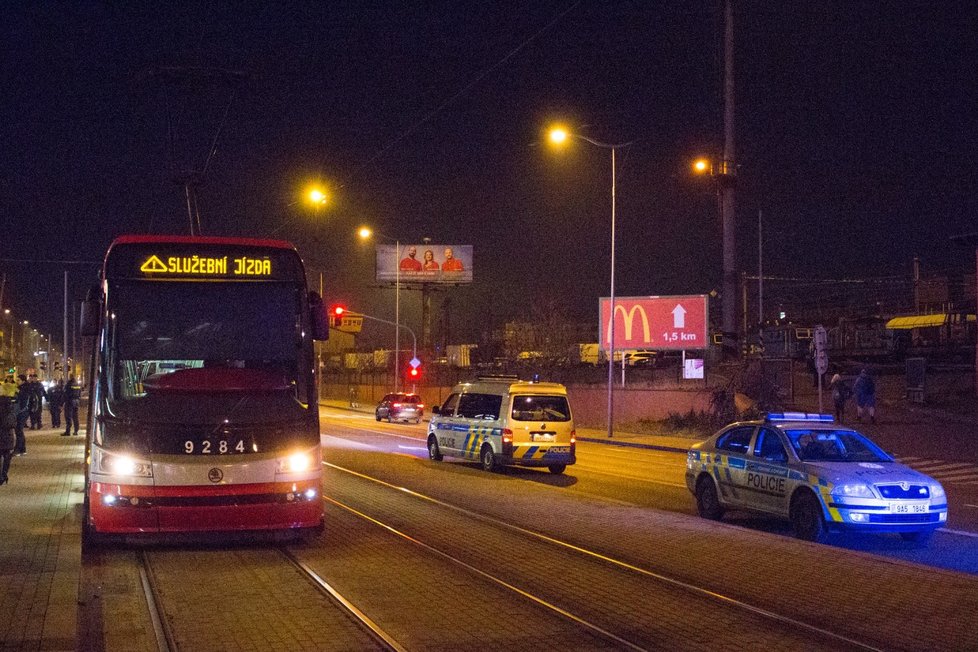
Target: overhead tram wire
478, 78
192, 179
438, 109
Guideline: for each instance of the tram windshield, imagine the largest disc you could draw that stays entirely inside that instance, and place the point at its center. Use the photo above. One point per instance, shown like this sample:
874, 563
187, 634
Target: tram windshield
193, 352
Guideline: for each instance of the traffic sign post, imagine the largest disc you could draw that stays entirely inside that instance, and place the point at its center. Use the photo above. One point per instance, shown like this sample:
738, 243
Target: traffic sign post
821, 358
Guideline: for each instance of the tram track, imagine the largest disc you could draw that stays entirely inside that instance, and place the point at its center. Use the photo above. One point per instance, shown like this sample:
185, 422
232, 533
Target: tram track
171, 621
626, 575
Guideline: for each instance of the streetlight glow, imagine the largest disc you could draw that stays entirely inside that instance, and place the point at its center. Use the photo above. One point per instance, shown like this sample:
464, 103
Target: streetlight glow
558, 135
317, 196
701, 165
365, 232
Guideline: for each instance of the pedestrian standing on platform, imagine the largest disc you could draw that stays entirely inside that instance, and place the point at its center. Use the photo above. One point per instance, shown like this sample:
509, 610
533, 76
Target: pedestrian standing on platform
22, 408
840, 396
56, 398
36, 401
72, 401
865, 390
8, 422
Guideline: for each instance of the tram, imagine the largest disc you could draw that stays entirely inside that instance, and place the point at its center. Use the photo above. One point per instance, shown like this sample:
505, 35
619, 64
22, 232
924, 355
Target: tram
203, 409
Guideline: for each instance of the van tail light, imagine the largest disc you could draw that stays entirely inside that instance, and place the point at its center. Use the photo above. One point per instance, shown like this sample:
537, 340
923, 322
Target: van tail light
573, 436
507, 442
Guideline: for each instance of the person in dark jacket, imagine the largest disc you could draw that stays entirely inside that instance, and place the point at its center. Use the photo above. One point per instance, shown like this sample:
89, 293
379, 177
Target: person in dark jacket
56, 398
8, 421
865, 390
36, 401
22, 409
72, 401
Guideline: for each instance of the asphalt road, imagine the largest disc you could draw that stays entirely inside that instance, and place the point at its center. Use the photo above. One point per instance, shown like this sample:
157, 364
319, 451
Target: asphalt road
614, 543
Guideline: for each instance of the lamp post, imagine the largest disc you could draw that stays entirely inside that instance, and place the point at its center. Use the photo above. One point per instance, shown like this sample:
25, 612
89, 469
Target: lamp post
558, 136
366, 233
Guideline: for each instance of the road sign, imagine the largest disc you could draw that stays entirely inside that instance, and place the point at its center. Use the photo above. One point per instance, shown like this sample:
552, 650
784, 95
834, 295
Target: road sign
821, 338
415, 363
668, 322
821, 362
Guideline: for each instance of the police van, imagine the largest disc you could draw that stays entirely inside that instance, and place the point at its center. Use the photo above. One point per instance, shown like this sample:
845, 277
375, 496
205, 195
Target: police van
501, 420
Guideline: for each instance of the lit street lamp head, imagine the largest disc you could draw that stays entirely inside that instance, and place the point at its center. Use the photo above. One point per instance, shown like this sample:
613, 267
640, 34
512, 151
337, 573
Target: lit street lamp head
558, 135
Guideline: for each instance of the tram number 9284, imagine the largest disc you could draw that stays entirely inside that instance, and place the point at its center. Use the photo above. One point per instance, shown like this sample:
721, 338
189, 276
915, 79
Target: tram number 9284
208, 447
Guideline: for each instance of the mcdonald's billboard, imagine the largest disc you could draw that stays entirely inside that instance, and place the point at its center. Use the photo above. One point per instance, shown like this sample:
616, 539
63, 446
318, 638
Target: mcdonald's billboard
673, 322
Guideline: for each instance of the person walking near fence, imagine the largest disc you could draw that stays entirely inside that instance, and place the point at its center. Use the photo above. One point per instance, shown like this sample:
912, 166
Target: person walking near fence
72, 401
8, 421
865, 390
840, 396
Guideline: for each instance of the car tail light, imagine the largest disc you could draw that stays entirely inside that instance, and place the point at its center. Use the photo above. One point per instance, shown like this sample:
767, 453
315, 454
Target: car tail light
420, 405
507, 442
395, 405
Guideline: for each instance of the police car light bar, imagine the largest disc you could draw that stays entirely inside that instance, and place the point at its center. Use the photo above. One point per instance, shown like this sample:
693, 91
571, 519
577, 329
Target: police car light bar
799, 416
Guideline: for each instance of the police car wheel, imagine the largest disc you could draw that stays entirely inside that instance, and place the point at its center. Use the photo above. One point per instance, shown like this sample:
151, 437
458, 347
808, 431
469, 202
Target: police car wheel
707, 503
557, 469
488, 459
806, 518
377, 415
433, 452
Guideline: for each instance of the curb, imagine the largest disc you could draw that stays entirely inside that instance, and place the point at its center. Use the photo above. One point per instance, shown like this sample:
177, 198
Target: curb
632, 444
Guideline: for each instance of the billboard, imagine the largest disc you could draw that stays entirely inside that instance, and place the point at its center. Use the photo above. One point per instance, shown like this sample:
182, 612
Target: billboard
425, 263
672, 322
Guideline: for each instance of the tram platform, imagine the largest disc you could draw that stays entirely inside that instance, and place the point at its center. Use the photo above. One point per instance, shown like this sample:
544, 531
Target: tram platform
40, 543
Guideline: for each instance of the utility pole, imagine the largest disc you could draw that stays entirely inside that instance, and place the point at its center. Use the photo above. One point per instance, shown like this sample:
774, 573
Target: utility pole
727, 179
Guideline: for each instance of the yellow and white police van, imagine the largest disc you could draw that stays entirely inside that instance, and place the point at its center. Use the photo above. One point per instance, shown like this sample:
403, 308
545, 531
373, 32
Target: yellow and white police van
501, 420
820, 475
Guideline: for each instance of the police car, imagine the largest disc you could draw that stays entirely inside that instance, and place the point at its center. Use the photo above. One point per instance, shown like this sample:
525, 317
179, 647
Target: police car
501, 420
820, 475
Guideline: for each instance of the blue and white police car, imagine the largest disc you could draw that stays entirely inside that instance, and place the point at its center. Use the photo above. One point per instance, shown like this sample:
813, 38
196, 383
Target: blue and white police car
822, 476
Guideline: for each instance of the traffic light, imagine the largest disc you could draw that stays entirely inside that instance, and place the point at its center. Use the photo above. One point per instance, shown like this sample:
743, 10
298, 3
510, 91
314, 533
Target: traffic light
336, 315
413, 374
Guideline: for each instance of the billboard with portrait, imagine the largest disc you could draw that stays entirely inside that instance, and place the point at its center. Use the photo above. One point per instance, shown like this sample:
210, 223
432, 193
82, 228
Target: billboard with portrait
424, 263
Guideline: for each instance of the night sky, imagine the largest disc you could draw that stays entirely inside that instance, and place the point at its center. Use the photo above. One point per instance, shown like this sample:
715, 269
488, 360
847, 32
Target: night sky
856, 133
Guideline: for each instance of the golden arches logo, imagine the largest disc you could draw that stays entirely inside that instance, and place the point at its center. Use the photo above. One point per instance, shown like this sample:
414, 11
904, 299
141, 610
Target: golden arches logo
628, 316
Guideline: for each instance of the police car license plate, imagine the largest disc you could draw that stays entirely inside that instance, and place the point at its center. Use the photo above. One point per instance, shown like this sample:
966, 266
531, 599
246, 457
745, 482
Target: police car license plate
908, 508
543, 436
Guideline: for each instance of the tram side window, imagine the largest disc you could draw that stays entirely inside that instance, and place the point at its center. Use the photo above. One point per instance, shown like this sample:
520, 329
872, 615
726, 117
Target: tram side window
479, 406
736, 441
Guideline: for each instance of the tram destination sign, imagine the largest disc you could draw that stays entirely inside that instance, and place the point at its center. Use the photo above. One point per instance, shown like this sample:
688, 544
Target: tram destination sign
172, 261
657, 322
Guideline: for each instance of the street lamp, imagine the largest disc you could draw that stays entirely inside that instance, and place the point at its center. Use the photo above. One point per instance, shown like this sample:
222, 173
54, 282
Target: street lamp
724, 175
559, 136
366, 233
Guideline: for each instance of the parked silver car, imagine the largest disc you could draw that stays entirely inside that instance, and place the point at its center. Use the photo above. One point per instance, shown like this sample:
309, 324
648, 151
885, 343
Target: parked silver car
400, 407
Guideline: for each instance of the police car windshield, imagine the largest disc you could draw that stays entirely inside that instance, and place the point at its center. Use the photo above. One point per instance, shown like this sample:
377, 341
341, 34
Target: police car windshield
834, 446
540, 408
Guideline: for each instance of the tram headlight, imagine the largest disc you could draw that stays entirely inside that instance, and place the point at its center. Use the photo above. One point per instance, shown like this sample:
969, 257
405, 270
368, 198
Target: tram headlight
125, 465
295, 463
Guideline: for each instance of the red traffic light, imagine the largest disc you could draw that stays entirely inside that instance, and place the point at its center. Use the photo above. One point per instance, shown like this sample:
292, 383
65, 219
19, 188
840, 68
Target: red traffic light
337, 310
414, 373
